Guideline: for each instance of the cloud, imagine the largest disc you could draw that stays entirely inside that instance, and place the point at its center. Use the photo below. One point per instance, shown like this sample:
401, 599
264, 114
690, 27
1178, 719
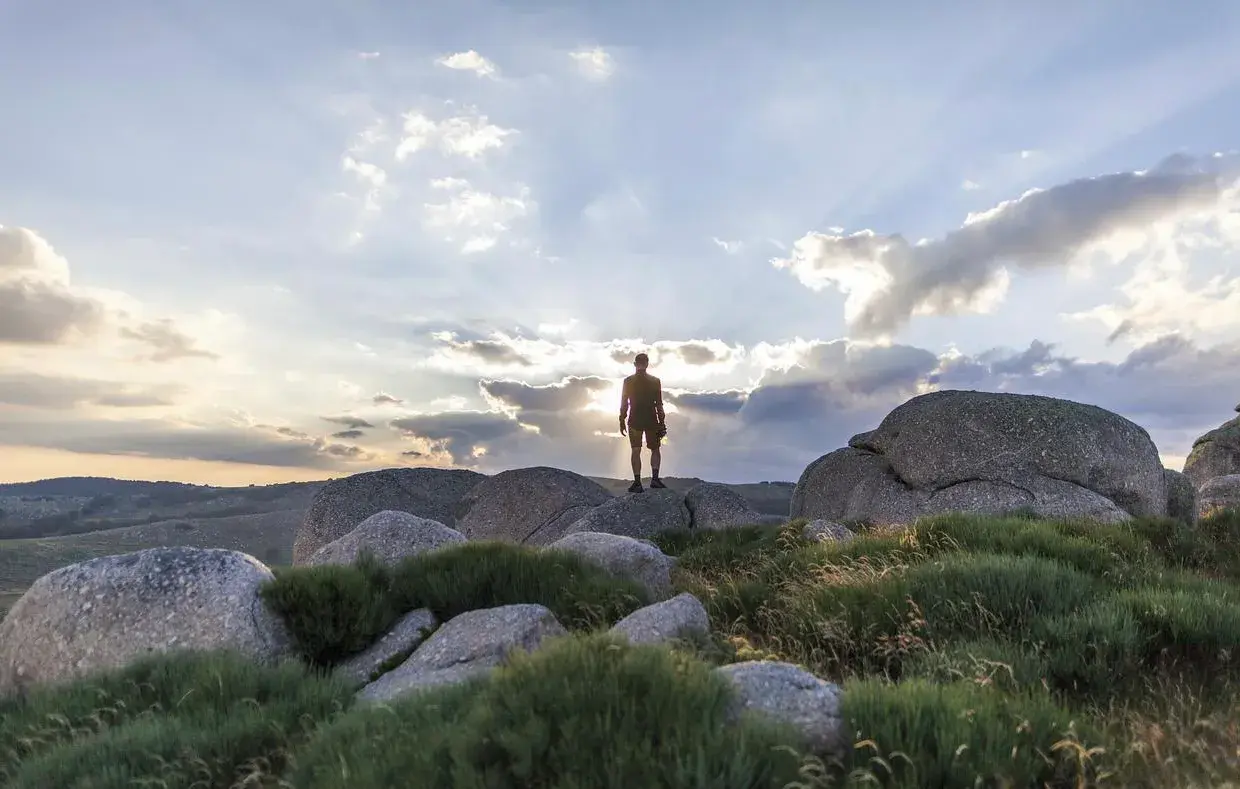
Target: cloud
888, 280
459, 433
730, 247
37, 305
725, 402
483, 216
383, 398
468, 61
172, 440
166, 340
970, 186
569, 394
351, 422
35, 390
349, 435
595, 63
469, 134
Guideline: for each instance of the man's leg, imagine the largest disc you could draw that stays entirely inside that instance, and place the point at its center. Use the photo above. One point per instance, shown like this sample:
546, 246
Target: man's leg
656, 456
635, 458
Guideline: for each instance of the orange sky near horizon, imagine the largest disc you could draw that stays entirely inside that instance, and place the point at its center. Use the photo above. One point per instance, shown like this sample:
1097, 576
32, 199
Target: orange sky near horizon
26, 464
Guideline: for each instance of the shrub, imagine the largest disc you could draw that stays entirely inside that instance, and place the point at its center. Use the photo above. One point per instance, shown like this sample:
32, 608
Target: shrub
333, 611
922, 734
336, 611
581, 712
174, 719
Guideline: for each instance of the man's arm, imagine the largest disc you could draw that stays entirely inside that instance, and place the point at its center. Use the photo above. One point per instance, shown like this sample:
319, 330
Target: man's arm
658, 400
624, 400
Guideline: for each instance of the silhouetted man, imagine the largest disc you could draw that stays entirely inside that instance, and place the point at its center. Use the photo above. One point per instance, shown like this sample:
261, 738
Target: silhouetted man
641, 401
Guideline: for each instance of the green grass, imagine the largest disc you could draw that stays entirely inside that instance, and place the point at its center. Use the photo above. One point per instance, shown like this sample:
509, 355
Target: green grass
201, 720
336, 611
973, 651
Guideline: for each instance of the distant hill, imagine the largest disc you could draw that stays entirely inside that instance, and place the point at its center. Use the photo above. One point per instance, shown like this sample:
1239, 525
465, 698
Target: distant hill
50, 523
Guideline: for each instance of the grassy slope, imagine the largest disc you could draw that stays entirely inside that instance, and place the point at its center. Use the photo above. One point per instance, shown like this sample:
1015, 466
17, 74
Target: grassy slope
1007, 652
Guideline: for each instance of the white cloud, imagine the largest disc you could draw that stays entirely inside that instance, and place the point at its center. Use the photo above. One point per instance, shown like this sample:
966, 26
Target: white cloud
484, 215
468, 61
887, 280
730, 247
371, 174
470, 134
970, 186
367, 55
595, 63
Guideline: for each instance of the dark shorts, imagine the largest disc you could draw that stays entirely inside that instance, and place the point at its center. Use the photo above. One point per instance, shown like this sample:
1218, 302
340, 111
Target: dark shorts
651, 433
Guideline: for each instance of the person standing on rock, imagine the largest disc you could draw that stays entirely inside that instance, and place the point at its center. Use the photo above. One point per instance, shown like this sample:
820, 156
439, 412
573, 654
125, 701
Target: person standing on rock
641, 404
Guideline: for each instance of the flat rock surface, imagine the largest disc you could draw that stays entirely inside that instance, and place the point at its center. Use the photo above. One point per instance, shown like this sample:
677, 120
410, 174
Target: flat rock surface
639, 515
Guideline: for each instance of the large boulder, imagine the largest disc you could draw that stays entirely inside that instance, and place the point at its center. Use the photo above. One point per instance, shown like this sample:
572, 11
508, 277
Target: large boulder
715, 506
343, 503
529, 506
467, 646
641, 516
388, 536
1215, 454
1181, 497
682, 616
790, 695
1220, 493
104, 613
623, 556
963, 451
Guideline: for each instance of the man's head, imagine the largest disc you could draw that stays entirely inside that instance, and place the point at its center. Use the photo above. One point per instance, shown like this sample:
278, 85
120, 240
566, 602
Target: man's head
641, 361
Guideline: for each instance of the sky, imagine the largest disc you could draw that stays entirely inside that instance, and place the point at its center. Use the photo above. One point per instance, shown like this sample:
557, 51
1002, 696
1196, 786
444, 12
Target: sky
244, 243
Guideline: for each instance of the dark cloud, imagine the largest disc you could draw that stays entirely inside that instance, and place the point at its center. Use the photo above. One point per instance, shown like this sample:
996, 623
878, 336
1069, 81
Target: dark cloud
166, 341
38, 313
1040, 229
699, 353
497, 352
156, 438
383, 398
413, 453
349, 435
458, 433
569, 394
351, 422
62, 393
726, 402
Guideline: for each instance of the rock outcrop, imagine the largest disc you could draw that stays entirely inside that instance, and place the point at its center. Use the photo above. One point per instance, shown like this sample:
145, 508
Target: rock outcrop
792, 696
623, 556
1220, 493
409, 631
1181, 497
827, 531
963, 451
641, 516
467, 646
107, 612
715, 506
388, 536
530, 506
1215, 454
683, 616
344, 503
